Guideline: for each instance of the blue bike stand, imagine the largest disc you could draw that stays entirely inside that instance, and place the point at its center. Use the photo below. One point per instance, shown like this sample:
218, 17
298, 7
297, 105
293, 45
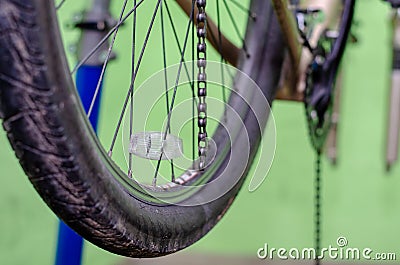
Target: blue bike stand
70, 244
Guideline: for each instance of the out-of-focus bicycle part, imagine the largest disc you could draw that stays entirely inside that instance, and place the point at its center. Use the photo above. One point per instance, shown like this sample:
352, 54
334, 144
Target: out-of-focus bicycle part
392, 140
331, 148
394, 3
314, 19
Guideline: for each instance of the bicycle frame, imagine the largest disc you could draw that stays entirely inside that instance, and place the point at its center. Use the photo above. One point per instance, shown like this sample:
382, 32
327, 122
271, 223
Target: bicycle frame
292, 83
293, 79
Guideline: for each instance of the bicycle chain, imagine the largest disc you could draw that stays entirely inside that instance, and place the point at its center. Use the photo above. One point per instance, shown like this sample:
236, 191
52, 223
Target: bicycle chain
317, 134
317, 181
317, 209
201, 23
317, 140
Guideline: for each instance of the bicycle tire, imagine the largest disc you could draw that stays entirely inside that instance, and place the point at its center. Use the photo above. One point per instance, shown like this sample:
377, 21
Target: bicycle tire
58, 151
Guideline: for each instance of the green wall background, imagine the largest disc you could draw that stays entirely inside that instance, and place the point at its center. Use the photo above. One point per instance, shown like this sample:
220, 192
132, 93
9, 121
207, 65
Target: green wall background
361, 201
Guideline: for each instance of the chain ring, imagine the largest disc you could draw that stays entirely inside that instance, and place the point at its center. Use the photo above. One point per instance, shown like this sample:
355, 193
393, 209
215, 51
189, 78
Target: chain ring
318, 129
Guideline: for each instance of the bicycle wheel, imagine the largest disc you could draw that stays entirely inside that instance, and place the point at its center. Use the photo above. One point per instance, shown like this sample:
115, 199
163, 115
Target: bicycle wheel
65, 162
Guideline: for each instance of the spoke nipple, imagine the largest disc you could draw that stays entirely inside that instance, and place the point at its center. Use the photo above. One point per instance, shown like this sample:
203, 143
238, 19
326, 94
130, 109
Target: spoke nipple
110, 153
154, 182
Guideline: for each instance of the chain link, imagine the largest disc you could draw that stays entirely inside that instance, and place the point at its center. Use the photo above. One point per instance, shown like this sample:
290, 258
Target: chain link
201, 23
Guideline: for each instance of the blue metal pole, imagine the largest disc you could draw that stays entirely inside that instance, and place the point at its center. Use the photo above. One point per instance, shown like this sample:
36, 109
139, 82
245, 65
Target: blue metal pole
87, 78
70, 244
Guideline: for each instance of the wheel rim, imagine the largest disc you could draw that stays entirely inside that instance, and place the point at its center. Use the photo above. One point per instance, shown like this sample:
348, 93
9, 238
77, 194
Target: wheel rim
163, 10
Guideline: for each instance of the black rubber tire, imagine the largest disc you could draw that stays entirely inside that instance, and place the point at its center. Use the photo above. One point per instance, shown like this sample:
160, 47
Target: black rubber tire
56, 147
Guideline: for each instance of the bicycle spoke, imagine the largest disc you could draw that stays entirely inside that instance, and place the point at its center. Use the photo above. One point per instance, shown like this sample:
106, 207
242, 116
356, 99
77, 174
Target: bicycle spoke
105, 38
103, 70
187, 72
177, 41
60, 5
131, 99
218, 40
245, 9
222, 56
166, 78
229, 70
131, 87
175, 89
236, 27
214, 39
